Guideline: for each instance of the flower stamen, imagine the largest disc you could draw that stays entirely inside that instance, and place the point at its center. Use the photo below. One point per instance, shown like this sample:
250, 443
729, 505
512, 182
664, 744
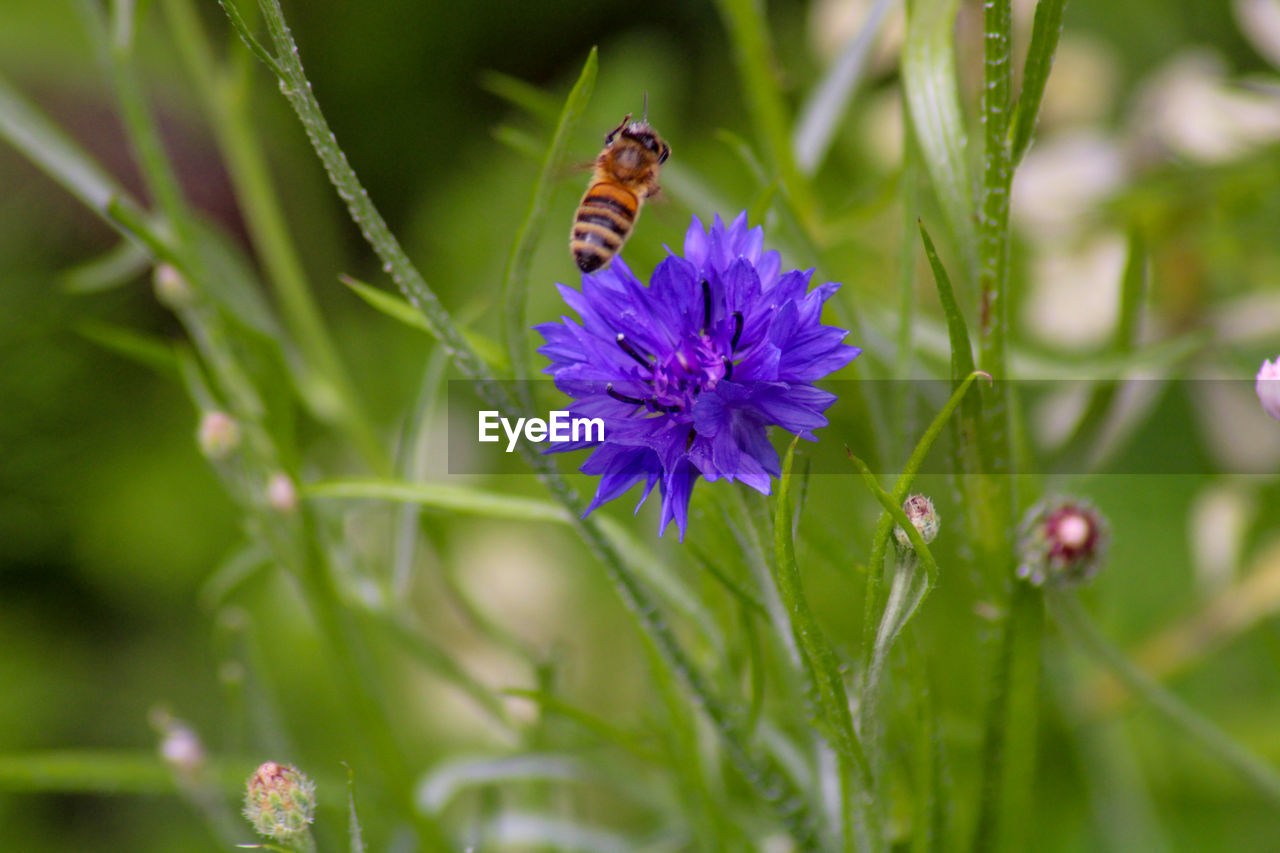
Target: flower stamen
630, 350
737, 331
623, 398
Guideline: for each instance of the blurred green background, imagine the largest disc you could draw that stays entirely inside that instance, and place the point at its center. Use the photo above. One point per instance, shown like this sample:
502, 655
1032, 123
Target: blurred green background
111, 521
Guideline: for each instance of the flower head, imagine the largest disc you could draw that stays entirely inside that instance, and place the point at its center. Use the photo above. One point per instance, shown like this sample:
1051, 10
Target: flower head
1062, 541
280, 801
923, 517
1268, 387
688, 373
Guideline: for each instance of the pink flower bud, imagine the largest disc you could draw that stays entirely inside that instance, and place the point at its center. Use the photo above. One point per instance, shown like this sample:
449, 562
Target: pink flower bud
219, 435
171, 287
1268, 387
923, 517
280, 802
282, 494
1062, 541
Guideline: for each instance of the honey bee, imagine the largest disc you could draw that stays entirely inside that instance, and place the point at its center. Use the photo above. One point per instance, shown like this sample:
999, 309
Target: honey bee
624, 174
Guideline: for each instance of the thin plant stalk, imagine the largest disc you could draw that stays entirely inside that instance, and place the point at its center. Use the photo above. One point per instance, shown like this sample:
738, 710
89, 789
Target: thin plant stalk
1070, 615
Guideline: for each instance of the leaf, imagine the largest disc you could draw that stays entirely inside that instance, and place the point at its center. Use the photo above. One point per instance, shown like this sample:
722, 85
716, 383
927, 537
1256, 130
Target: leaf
826, 107
155, 353
598, 726
397, 309
1035, 72
817, 653
518, 93
753, 57
93, 772
353, 819
243, 564
458, 499
929, 82
533, 831
438, 787
117, 267
54, 152
515, 283
957, 330
467, 501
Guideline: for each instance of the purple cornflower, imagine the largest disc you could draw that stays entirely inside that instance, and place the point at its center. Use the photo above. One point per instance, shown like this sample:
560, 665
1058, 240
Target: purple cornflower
689, 372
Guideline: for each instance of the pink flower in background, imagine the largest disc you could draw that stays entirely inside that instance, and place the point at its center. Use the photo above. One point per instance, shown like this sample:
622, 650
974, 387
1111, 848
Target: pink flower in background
1268, 387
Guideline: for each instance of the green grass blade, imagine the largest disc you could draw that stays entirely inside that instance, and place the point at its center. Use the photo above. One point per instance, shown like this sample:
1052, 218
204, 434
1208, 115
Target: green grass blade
1069, 613
115, 268
41, 142
461, 500
255, 47
884, 527
439, 787
515, 281
425, 651
929, 82
962, 363
542, 106
93, 772
152, 352
749, 34
598, 726
826, 107
401, 311
355, 838
454, 499
1045, 30
817, 654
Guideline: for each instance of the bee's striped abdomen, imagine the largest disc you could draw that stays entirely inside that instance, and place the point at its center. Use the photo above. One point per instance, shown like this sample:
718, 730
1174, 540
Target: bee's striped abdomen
602, 224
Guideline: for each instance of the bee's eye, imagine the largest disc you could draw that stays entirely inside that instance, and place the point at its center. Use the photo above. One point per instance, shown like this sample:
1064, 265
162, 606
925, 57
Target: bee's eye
666, 152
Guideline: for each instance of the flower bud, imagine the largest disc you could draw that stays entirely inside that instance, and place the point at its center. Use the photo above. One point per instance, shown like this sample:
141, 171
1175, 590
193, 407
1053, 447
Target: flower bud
1062, 541
282, 494
280, 802
1268, 387
219, 435
180, 746
923, 517
171, 287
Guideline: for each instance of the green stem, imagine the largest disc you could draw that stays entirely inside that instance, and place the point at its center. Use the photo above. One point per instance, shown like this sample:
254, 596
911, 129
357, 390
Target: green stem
884, 526
1070, 615
225, 96
1009, 738
761, 770
748, 32
821, 662
993, 219
515, 280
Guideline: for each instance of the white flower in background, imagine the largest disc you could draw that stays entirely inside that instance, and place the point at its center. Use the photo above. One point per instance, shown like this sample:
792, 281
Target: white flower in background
1074, 295
1062, 180
1192, 109
1259, 22
1220, 516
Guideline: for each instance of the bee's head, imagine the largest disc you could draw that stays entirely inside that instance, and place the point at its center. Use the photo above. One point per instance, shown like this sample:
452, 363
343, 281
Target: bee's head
640, 132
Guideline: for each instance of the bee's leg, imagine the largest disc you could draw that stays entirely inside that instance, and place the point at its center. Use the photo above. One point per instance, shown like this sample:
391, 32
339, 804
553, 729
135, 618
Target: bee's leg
608, 139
